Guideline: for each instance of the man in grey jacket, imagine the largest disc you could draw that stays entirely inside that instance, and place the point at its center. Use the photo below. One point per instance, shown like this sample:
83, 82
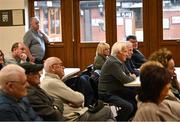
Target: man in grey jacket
114, 74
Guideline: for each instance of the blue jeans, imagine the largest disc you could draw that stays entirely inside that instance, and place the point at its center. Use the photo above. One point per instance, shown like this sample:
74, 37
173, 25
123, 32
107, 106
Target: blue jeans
126, 110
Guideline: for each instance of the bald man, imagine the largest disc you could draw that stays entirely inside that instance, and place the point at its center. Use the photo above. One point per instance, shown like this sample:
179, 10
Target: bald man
35, 40
73, 101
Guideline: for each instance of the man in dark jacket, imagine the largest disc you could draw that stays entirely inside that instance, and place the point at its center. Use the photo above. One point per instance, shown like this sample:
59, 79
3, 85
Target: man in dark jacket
129, 63
41, 102
14, 106
137, 57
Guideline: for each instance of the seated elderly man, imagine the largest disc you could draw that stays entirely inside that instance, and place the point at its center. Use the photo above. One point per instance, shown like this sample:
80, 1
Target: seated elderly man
129, 63
13, 104
41, 102
114, 74
72, 100
18, 50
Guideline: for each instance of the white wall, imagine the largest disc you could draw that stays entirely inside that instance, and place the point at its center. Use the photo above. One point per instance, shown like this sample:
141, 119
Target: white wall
11, 34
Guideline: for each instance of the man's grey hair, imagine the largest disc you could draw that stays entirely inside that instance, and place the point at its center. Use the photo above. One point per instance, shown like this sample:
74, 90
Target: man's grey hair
11, 72
118, 47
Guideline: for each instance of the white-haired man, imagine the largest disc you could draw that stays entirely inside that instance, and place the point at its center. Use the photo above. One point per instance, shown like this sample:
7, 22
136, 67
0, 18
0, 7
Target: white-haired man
114, 74
14, 106
129, 63
73, 101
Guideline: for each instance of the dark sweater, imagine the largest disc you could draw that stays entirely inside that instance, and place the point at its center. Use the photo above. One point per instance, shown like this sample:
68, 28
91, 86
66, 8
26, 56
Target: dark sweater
138, 58
114, 74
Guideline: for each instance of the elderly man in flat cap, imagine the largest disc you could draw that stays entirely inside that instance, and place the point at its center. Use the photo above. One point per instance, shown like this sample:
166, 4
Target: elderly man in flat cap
41, 102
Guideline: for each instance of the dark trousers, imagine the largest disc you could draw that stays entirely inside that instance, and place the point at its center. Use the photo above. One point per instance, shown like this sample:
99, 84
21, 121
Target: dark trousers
126, 107
127, 94
38, 61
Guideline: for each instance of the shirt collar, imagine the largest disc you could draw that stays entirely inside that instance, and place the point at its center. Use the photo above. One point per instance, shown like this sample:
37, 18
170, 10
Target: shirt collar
117, 59
52, 75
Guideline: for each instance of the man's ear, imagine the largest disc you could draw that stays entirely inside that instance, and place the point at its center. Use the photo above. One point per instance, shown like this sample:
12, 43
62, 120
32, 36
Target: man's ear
9, 86
51, 68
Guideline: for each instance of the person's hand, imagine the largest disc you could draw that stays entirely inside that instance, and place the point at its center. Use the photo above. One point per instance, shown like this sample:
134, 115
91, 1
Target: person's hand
75, 106
133, 75
32, 59
46, 40
1, 60
23, 57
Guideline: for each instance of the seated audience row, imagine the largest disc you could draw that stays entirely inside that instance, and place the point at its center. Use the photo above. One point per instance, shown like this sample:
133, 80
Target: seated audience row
14, 87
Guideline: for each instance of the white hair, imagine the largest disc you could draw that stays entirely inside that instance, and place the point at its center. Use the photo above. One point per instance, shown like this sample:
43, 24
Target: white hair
129, 44
118, 47
11, 72
49, 62
34, 19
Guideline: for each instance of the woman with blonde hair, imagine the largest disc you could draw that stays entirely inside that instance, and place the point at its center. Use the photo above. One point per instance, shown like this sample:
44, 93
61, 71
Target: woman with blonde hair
102, 52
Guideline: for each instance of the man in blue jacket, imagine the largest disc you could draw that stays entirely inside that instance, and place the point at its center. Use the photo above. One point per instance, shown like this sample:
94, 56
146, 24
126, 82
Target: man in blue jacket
137, 57
14, 106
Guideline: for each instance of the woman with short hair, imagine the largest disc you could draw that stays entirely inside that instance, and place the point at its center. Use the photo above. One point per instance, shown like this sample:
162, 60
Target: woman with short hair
155, 85
102, 52
165, 57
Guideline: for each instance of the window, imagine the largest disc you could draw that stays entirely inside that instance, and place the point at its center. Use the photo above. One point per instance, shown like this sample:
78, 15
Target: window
129, 19
49, 14
171, 12
92, 21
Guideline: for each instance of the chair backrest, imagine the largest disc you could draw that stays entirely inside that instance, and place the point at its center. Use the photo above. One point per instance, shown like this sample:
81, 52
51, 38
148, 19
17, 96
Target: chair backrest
87, 71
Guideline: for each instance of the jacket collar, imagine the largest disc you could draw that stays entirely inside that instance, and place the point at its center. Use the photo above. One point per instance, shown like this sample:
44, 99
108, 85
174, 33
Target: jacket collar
52, 75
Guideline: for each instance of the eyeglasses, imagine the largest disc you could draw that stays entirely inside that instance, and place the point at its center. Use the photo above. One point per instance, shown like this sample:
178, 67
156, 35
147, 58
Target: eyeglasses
19, 82
58, 64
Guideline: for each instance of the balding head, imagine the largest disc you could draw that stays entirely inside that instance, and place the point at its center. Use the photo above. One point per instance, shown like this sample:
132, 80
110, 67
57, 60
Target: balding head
13, 80
54, 65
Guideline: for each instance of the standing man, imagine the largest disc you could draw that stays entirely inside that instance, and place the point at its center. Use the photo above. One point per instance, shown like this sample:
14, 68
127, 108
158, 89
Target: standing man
35, 40
137, 57
14, 106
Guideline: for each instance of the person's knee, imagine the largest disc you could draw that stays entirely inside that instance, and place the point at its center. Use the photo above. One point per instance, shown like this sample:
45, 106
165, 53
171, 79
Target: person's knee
107, 112
129, 108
